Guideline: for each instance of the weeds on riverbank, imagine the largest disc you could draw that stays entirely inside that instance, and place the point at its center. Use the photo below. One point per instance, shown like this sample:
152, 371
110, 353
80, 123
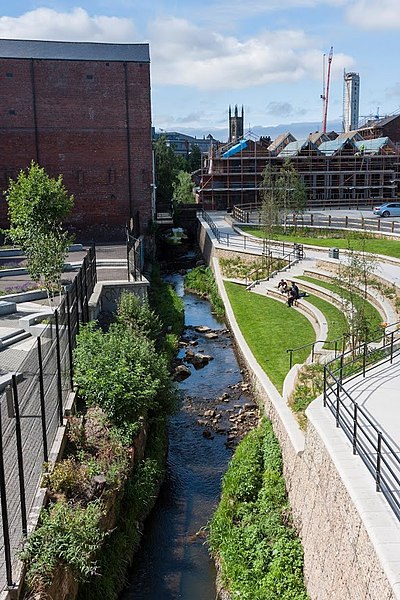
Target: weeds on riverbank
201, 281
251, 534
126, 391
169, 306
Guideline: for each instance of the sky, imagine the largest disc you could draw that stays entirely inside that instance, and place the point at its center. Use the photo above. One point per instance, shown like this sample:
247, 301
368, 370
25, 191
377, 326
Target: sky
266, 55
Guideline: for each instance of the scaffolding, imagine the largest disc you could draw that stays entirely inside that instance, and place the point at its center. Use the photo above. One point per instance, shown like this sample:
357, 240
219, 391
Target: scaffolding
355, 174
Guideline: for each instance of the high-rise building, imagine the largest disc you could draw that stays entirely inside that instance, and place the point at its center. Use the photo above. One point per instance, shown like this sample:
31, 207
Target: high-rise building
351, 101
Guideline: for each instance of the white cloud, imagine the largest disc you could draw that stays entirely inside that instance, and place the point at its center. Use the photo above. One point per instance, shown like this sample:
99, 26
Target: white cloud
77, 25
375, 14
184, 54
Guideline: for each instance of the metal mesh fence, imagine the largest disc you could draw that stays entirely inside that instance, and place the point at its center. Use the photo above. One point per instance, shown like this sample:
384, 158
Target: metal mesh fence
32, 409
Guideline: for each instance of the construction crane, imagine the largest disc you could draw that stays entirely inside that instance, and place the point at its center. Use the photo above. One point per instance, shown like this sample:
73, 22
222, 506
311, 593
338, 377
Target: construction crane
325, 89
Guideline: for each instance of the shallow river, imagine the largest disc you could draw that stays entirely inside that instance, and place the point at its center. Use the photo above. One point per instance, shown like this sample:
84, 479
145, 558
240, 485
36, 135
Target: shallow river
173, 560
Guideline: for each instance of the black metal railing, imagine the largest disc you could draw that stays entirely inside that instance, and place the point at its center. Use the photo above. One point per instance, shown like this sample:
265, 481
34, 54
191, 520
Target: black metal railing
338, 343
33, 407
374, 448
285, 250
134, 256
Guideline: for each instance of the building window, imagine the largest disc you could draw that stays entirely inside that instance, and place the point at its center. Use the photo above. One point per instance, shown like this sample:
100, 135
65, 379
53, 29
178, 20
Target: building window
12, 111
9, 75
89, 76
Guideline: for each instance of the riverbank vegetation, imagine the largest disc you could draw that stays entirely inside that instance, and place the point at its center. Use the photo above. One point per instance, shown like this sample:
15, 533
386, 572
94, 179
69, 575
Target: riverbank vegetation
270, 328
251, 534
115, 456
201, 281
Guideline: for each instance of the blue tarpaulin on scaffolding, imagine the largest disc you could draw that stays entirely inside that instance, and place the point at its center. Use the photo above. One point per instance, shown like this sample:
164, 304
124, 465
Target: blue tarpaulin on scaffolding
236, 148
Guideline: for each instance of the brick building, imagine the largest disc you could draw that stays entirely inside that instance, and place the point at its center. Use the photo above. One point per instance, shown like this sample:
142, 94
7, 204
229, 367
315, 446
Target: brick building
82, 110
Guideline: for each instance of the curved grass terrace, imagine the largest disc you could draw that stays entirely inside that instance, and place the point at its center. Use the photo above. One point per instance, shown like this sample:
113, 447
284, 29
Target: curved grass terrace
270, 328
373, 315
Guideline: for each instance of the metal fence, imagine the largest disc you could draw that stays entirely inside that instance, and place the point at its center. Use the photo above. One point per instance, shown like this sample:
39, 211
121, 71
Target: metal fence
374, 448
134, 255
32, 409
251, 214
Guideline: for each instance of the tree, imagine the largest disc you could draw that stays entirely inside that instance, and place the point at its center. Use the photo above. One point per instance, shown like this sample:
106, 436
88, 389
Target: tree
183, 189
166, 170
194, 158
37, 204
352, 279
291, 194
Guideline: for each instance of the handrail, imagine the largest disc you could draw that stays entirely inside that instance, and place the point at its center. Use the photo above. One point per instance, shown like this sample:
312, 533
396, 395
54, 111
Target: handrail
342, 338
312, 345
277, 247
380, 458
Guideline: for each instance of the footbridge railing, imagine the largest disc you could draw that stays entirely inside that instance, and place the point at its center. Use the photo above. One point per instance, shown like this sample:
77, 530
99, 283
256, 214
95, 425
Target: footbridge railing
367, 440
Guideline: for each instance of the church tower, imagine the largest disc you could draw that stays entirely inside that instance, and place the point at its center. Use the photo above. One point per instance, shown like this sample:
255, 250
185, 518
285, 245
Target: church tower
236, 125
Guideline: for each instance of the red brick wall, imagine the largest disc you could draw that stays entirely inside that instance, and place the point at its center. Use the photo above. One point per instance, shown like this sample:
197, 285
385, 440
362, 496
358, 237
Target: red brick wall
89, 121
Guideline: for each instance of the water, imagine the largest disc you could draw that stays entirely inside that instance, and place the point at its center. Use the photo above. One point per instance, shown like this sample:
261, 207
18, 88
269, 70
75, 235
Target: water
173, 560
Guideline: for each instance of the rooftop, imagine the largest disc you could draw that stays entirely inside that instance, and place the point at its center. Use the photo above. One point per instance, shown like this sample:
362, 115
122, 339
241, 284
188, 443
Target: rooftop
48, 50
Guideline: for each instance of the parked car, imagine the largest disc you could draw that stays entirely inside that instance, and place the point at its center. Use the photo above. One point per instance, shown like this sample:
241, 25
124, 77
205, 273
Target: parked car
388, 209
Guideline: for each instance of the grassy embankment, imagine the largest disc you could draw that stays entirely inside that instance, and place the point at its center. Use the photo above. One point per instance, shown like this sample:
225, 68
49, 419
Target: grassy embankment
327, 239
270, 328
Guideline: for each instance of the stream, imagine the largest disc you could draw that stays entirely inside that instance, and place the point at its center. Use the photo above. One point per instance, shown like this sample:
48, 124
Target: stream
215, 409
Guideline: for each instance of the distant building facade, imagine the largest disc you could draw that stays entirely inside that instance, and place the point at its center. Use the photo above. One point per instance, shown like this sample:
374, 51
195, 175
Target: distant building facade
181, 143
82, 110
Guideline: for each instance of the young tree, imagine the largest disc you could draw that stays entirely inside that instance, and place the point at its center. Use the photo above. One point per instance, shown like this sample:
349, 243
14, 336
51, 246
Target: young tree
353, 277
183, 189
291, 194
37, 204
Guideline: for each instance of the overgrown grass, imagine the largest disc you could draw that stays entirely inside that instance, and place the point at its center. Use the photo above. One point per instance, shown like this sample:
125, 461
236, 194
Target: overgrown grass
139, 497
310, 385
169, 306
327, 238
201, 281
251, 533
372, 314
270, 328
237, 268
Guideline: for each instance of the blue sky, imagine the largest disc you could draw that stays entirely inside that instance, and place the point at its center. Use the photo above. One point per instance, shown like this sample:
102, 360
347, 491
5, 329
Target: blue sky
264, 54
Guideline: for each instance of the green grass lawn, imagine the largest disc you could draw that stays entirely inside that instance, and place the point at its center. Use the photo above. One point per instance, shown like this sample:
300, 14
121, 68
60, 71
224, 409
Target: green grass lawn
270, 328
373, 315
374, 245
336, 320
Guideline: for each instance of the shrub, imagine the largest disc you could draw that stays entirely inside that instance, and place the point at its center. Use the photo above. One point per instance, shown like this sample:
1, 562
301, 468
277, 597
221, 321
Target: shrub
201, 281
251, 533
136, 313
70, 534
121, 373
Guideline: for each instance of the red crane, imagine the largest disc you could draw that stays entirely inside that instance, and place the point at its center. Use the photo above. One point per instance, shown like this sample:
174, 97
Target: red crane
325, 91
